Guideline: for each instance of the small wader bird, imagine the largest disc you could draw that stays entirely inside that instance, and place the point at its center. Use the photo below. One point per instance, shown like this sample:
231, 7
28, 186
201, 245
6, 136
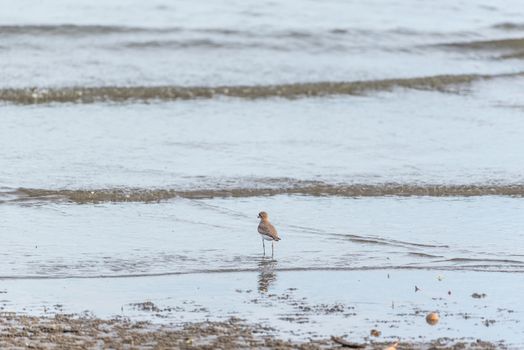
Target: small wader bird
267, 231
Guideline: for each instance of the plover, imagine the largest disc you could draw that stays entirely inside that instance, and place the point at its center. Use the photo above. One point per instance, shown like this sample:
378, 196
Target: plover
267, 231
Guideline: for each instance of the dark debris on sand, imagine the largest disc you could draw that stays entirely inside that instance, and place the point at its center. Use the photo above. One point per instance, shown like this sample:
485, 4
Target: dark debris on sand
77, 332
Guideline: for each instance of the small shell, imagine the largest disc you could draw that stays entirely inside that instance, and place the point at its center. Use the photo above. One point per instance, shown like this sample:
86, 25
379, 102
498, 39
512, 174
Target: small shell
432, 318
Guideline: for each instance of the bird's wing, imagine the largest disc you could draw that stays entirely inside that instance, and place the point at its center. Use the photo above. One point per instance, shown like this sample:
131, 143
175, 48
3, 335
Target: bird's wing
266, 228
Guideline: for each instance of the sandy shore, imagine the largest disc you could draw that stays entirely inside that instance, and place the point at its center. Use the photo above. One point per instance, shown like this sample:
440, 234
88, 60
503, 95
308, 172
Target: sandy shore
269, 309
76, 332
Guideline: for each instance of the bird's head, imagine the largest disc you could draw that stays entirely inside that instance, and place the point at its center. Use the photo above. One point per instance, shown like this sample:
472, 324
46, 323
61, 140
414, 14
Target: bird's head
263, 215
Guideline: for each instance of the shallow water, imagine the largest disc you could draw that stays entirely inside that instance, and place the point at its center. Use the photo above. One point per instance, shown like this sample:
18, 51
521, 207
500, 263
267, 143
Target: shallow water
236, 42
139, 140
405, 137
46, 240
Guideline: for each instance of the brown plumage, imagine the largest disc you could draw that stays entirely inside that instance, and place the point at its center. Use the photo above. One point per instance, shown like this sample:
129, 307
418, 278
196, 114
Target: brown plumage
265, 228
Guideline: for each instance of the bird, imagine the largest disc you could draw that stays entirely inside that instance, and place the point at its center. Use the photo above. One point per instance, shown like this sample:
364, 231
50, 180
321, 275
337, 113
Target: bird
267, 231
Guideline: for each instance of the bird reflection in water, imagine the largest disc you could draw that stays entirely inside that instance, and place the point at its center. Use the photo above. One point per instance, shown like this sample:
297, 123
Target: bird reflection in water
267, 275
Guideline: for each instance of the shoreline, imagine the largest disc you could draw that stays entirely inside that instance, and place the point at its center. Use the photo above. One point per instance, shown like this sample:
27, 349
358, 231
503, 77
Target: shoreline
85, 332
292, 307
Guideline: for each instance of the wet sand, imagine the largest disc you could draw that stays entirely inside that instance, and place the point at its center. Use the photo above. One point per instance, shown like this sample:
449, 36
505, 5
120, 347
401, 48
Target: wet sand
74, 332
271, 308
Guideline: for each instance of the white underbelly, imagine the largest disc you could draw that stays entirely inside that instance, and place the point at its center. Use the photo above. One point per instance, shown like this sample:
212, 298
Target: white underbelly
266, 237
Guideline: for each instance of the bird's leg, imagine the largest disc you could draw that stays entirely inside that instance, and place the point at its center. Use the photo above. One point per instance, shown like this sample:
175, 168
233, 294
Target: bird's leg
264, 246
272, 248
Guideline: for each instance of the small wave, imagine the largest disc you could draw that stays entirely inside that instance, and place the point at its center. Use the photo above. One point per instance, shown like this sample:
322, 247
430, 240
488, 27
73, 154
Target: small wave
78, 30
389, 242
485, 260
204, 43
182, 44
498, 44
207, 43
293, 33
289, 91
263, 187
478, 268
516, 55
509, 26
368, 239
424, 255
